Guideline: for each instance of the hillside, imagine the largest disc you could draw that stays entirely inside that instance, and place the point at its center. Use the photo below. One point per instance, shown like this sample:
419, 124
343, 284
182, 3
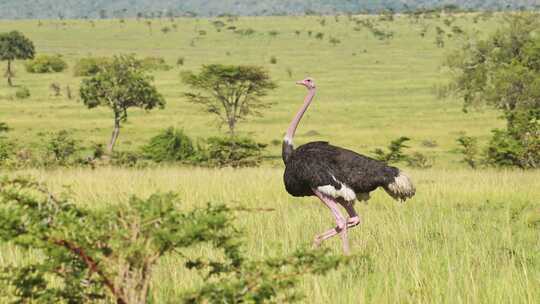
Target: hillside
47, 9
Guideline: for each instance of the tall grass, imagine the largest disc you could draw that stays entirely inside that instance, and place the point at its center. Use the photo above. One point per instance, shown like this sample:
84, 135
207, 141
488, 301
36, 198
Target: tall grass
466, 237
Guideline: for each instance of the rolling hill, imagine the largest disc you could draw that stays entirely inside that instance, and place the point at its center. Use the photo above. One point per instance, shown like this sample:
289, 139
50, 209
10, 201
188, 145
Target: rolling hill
51, 9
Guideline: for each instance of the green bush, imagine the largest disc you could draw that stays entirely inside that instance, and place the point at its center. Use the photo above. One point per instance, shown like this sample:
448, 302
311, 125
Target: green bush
46, 64
90, 66
22, 93
469, 149
154, 64
110, 255
128, 159
168, 146
234, 152
7, 149
505, 149
419, 160
395, 151
60, 147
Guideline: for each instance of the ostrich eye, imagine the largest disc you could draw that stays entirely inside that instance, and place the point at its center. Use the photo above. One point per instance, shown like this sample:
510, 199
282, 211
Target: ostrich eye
309, 80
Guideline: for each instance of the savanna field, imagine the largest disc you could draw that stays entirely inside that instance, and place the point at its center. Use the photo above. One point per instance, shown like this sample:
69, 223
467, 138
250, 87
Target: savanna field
468, 236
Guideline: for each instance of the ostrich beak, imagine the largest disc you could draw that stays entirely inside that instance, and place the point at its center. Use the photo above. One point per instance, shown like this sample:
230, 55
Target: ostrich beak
300, 83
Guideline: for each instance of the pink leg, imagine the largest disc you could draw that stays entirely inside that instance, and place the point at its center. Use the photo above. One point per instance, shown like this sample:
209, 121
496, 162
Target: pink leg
341, 223
353, 221
354, 218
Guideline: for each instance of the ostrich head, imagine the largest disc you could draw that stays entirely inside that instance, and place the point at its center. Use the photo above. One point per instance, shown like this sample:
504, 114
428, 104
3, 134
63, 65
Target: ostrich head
308, 83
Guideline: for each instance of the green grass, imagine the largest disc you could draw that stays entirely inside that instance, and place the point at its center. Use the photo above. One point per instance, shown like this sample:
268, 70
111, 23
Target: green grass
467, 236
370, 91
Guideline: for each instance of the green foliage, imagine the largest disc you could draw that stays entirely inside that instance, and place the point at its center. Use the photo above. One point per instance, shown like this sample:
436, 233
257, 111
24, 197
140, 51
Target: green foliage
169, 146
119, 85
234, 152
230, 92
395, 151
272, 280
469, 149
90, 66
506, 149
127, 159
98, 254
22, 93
46, 64
503, 71
60, 146
273, 60
15, 46
7, 149
110, 254
419, 160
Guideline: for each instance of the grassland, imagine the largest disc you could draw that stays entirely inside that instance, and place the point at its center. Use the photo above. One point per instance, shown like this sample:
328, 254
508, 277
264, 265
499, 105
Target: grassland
467, 237
370, 91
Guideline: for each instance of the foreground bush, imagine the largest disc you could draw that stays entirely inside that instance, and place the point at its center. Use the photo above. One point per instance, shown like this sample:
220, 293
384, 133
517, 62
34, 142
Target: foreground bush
46, 64
110, 255
169, 146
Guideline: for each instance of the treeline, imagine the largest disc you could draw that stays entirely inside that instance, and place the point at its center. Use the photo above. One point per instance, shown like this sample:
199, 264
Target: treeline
47, 9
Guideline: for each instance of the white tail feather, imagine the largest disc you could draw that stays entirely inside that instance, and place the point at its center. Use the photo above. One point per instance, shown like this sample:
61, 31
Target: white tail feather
401, 188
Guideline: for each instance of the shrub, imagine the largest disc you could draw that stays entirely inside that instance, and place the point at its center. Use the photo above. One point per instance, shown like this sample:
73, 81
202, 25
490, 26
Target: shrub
245, 32
180, 61
60, 147
7, 149
469, 149
46, 64
125, 159
90, 66
505, 149
169, 146
273, 60
234, 152
154, 64
419, 160
22, 93
395, 151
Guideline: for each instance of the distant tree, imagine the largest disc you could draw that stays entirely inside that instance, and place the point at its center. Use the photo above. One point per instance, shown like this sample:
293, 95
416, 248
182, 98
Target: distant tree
13, 46
230, 92
120, 84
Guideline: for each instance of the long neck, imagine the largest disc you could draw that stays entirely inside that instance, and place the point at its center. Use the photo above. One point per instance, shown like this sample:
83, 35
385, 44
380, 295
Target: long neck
288, 147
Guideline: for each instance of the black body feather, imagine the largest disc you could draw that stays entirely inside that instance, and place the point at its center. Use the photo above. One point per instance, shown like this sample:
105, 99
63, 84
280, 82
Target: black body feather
318, 164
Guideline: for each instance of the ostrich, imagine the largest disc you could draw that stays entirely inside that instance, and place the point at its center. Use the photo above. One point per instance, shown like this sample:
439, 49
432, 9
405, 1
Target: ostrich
336, 176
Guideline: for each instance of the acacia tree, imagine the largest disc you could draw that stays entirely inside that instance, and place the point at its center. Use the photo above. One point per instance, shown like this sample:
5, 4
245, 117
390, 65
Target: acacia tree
120, 84
13, 46
230, 92
503, 71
